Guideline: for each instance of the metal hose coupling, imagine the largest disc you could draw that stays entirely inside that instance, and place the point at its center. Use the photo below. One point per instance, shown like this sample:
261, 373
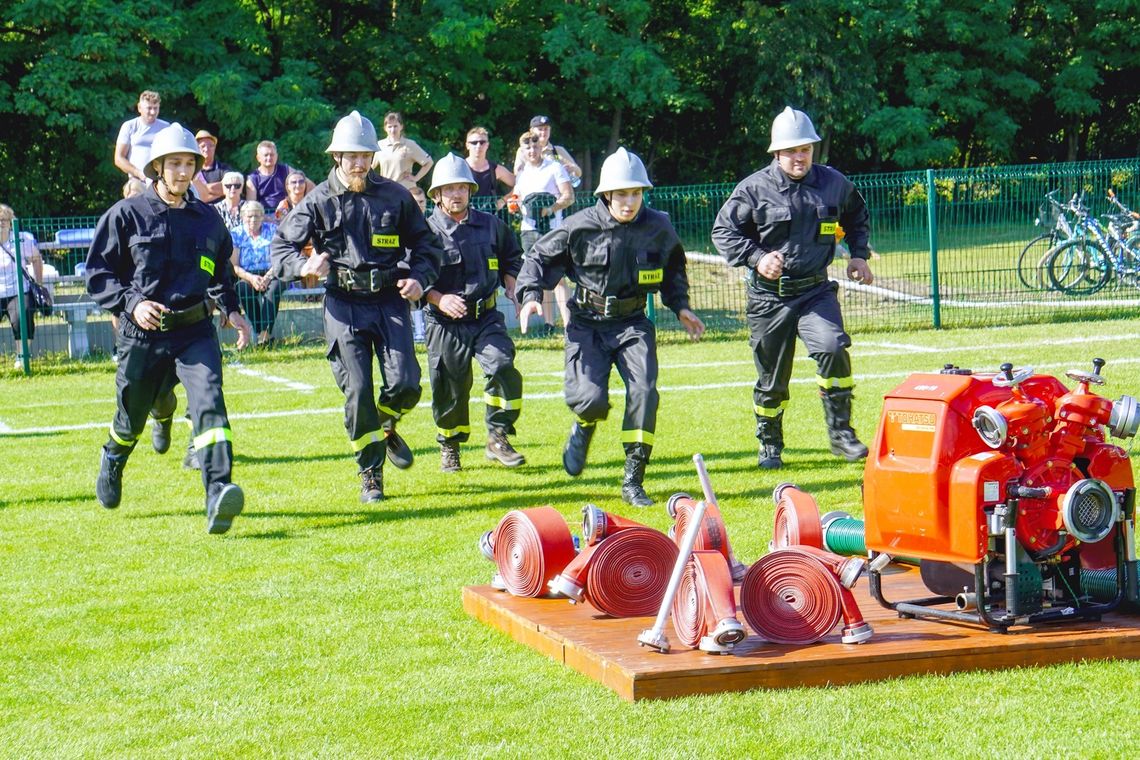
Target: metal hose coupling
855, 629
487, 545
531, 546
847, 569
598, 525
571, 582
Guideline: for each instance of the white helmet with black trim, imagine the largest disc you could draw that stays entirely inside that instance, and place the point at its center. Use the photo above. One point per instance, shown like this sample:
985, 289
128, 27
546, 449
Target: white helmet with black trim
452, 170
353, 134
791, 129
170, 140
622, 170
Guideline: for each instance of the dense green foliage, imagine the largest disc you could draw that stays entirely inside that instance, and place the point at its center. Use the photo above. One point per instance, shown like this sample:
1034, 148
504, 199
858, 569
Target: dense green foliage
690, 84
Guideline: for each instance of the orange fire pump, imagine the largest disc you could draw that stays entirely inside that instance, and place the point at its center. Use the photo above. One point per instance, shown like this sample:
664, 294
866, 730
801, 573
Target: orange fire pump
1004, 486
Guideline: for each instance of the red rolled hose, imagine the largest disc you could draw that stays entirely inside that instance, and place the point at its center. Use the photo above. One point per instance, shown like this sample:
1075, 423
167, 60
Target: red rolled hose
713, 535
855, 629
846, 569
531, 547
597, 525
789, 597
704, 599
797, 519
629, 572
571, 582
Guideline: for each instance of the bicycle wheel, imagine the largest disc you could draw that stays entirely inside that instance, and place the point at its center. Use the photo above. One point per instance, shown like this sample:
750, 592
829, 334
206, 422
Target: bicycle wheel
1031, 262
1078, 267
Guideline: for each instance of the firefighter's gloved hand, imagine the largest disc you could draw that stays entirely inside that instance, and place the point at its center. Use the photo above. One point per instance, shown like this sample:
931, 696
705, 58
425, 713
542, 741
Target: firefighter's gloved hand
860, 271
410, 289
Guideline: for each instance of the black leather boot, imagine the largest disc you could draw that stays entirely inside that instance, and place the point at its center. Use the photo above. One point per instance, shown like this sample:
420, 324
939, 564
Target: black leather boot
837, 412
632, 490
574, 454
371, 485
109, 484
770, 431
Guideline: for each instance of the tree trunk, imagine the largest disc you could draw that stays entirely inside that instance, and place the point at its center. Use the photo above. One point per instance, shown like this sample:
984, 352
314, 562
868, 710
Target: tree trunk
615, 131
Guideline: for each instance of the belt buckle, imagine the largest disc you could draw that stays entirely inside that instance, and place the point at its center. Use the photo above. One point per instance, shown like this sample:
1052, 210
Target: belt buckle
610, 307
476, 308
162, 326
784, 286
375, 275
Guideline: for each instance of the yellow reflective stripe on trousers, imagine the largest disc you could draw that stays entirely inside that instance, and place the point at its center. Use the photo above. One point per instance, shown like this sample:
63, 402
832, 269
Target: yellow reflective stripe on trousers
637, 436
767, 411
364, 440
583, 423
502, 403
454, 431
212, 436
393, 412
835, 382
122, 441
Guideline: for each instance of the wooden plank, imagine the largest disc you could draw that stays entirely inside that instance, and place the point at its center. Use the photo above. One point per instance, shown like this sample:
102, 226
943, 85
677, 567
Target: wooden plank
605, 649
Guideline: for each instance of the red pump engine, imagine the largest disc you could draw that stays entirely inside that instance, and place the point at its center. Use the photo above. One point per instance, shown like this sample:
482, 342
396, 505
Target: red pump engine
1008, 472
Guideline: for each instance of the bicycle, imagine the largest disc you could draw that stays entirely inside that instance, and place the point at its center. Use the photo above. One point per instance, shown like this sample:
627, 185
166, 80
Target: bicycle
1086, 263
1031, 261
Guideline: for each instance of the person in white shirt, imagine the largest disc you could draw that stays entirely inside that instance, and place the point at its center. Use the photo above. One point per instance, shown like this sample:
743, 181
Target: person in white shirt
132, 148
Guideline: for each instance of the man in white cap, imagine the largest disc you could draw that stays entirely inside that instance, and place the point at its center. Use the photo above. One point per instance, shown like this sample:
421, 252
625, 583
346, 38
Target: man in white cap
619, 253
362, 226
155, 261
781, 223
480, 253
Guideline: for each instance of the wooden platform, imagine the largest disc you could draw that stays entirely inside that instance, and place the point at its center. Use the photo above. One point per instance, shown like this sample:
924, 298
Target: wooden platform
606, 649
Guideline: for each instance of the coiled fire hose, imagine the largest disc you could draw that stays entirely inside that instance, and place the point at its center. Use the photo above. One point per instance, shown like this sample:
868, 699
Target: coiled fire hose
628, 572
712, 535
791, 597
531, 546
704, 609
597, 525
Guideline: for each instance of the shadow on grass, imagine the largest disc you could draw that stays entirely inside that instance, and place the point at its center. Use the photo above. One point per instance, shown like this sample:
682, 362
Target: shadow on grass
87, 497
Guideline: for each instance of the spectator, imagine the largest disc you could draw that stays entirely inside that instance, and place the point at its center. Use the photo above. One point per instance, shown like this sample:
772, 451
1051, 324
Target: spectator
258, 291
296, 185
541, 175
398, 154
208, 183
132, 148
487, 173
267, 182
540, 125
230, 205
9, 298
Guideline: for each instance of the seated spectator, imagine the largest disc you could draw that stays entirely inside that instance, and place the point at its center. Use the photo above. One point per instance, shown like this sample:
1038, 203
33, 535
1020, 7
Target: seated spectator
398, 154
266, 183
208, 182
132, 147
542, 176
488, 175
259, 292
296, 185
540, 125
231, 204
9, 299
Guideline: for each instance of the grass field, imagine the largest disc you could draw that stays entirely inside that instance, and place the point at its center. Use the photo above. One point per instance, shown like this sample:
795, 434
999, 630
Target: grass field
319, 627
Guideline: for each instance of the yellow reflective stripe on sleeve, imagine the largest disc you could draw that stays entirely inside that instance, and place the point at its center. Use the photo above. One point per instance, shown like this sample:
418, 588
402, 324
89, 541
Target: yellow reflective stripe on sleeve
212, 436
835, 382
364, 440
765, 411
121, 440
502, 403
637, 436
454, 431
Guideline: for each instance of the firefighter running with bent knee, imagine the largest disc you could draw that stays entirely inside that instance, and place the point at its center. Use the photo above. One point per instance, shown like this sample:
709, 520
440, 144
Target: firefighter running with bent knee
155, 260
360, 225
781, 224
479, 253
618, 253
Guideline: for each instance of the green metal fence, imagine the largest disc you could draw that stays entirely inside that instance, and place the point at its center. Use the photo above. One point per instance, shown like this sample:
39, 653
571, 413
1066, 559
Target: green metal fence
946, 246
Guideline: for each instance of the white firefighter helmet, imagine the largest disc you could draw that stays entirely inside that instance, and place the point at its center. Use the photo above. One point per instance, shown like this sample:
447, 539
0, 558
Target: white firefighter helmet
791, 129
353, 134
452, 170
170, 140
622, 170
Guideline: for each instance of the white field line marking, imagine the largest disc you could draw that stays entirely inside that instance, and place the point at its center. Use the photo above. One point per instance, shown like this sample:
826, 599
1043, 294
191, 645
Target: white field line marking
4, 428
291, 384
478, 399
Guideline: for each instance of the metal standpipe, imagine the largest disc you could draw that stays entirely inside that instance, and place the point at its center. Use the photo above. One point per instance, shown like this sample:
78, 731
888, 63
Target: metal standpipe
655, 637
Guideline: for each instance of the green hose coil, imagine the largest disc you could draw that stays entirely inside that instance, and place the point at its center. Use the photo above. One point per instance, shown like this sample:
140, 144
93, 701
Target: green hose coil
845, 536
